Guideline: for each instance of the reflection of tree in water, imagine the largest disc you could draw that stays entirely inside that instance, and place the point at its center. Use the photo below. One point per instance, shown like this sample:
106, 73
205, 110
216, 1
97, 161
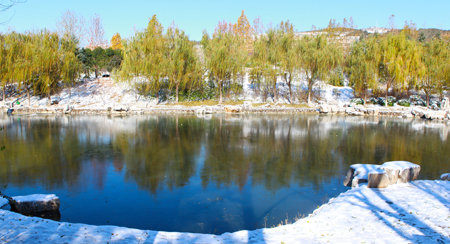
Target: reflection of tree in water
162, 152
40, 151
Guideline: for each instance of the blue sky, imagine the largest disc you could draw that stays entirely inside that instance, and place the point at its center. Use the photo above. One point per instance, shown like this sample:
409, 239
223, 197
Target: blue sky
195, 16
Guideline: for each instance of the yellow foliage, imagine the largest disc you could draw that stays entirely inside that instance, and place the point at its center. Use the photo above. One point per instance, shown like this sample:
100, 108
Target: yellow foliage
116, 42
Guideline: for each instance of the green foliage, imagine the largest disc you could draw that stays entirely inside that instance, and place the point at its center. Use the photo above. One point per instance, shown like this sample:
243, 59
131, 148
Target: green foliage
404, 103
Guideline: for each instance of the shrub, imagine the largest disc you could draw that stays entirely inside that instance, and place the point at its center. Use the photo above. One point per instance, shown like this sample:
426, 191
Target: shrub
404, 103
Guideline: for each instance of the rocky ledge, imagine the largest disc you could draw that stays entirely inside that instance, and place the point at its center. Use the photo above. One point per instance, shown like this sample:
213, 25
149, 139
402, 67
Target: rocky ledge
381, 176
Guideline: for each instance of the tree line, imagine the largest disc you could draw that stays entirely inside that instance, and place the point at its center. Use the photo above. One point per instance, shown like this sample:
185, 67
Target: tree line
161, 62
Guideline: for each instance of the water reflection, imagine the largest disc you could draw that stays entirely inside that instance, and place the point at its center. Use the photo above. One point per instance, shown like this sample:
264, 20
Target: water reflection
203, 174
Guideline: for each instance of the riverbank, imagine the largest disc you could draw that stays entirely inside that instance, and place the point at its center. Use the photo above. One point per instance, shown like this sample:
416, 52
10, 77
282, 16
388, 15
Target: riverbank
416, 212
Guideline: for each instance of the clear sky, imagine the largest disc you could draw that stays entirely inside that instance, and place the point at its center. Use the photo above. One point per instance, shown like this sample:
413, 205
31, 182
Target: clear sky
195, 16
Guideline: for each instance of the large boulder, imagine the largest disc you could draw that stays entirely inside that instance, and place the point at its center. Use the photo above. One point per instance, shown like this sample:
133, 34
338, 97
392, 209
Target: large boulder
324, 109
445, 177
358, 173
380, 176
233, 109
35, 203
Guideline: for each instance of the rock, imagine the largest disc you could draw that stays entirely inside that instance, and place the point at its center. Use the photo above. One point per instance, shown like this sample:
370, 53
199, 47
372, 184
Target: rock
373, 111
208, 110
349, 110
356, 113
361, 109
140, 105
445, 177
200, 111
408, 115
358, 173
406, 171
35, 203
248, 105
380, 176
233, 109
381, 179
324, 109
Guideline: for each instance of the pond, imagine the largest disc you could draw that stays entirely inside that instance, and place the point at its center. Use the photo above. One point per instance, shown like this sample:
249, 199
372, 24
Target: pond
209, 174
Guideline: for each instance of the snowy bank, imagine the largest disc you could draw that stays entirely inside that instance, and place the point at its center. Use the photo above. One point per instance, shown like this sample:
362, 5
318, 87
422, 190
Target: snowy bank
403, 213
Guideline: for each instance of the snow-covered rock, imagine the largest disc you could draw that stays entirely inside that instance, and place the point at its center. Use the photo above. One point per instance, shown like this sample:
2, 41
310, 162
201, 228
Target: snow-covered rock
381, 176
233, 109
248, 105
358, 173
445, 176
35, 203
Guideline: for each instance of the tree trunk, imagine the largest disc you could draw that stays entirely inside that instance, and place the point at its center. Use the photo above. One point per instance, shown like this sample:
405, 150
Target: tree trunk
365, 96
49, 100
274, 89
220, 93
427, 98
290, 90
386, 102
309, 91
4, 93
176, 97
28, 95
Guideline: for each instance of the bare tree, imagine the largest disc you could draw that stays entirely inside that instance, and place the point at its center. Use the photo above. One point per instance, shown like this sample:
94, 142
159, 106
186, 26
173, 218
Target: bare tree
72, 25
5, 5
96, 33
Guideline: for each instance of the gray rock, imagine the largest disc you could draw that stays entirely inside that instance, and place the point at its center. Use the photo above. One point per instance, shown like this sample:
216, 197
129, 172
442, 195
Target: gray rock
373, 111
35, 203
445, 177
358, 173
380, 176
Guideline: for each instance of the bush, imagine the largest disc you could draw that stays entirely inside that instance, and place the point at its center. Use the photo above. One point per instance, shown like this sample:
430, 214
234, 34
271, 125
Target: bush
357, 101
404, 103
372, 100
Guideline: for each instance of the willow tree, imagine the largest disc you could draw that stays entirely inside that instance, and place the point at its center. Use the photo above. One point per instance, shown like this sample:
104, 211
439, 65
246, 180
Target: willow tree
225, 57
435, 57
143, 57
180, 59
361, 65
267, 58
288, 51
55, 61
395, 57
317, 58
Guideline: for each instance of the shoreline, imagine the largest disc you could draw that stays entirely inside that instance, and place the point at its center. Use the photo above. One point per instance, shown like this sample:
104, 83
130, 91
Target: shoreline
402, 213
164, 109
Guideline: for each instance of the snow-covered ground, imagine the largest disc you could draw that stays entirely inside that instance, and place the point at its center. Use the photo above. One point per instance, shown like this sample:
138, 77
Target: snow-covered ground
416, 212
103, 93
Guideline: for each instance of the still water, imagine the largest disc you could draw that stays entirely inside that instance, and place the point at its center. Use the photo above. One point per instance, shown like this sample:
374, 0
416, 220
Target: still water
210, 174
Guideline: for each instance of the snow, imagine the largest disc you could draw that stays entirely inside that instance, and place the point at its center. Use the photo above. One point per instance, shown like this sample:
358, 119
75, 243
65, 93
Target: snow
362, 170
416, 212
400, 165
35, 198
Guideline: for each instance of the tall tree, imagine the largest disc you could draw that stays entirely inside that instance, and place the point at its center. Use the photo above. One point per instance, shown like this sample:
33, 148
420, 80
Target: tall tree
143, 57
116, 42
96, 33
289, 56
435, 57
317, 58
361, 66
395, 55
244, 30
180, 62
225, 57
72, 26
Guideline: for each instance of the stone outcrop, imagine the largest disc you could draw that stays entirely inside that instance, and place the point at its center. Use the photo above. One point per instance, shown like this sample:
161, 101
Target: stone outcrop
35, 203
381, 176
233, 109
445, 177
248, 105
